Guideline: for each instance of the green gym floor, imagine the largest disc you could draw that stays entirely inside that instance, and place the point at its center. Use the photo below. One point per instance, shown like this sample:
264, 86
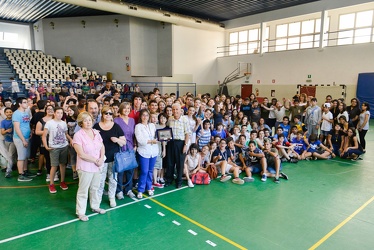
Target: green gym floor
325, 204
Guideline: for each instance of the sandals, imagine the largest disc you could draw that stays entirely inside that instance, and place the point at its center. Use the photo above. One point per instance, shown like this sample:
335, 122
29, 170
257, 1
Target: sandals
83, 217
99, 211
151, 192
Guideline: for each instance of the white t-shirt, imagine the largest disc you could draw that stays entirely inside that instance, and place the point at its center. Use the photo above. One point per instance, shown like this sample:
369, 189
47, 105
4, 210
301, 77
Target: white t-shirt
56, 131
362, 119
326, 126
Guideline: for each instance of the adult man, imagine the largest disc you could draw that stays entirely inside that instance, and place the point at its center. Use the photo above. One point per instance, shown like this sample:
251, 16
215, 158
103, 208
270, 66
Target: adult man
21, 136
189, 103
35, 139
92, 107
313, 117
108, 87
177, 148
153, 107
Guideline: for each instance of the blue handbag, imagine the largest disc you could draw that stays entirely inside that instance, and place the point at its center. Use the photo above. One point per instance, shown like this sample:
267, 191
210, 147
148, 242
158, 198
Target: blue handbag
124, 160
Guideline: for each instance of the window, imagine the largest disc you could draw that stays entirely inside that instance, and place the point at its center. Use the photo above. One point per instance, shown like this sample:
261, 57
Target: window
355, 28
245, 42
10, 37
298, 35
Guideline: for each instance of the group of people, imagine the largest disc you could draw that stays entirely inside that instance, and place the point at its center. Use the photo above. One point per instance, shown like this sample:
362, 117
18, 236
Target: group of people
237, 137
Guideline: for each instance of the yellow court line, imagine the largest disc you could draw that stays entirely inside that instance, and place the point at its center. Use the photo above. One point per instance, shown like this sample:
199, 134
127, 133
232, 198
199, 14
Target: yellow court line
199, 225
341, 224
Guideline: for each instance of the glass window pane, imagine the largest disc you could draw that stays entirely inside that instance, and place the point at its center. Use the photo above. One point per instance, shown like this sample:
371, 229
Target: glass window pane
362, 35
10, 37
345, 37
233, 50
265, 46
281, 44
318, 25
373, 36
294, 29
282, 30
307, 27
1, 36
347, 21
242, 49
243, 36
306, 42
267, 32
293, 43
252, 47
316, 41
234, 37
253, 35
364, 18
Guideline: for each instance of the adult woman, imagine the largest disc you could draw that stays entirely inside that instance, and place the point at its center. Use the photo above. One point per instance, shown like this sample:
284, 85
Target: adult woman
71, 121
363, 124
113, 137
229, 106
127, 125
234, 114
49, 111
148, 150
352, 147
239, 104
90, 157
239, 118
354, 111
161, 106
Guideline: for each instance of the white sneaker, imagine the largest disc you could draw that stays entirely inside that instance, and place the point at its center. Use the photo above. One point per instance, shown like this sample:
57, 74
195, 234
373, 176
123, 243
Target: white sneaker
47, 179
120, 196
190, 184
56, 177
130, 194
112, 202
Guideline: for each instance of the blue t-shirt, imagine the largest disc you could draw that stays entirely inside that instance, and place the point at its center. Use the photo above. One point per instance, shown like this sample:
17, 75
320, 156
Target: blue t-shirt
7, 124
221, 134
286, 129
225, 154
314, 146
300, 145
24, 121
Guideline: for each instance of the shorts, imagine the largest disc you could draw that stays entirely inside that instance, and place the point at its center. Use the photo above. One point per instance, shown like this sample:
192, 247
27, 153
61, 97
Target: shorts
271, 169
73, 156
257, 168
227, 170
325, 133
22, 152
59, 156
158, 164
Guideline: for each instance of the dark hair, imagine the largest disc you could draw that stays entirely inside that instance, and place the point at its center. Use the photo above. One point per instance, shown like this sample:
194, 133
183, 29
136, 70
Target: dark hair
240, 136
297, 117
228, 139
313, 99
141, 112
41, 104
137, 95
205, 122
367, 105
193, 146
252, 142
7, 109
76, 111
162, 115
254, 132
313, 137
19, 101
280, 136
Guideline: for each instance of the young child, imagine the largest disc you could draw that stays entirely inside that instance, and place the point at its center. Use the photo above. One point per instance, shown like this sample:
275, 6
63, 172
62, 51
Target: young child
7, 132
293, 133
158, 173
255, 160
273, 162
192, 163
219, 131
284, 149
204, 135
327, 121
57, 146
299, 125
299, 146
316, 149
285, 125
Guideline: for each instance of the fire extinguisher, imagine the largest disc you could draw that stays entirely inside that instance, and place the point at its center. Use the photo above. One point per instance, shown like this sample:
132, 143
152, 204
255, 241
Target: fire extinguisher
257, 92
127, 67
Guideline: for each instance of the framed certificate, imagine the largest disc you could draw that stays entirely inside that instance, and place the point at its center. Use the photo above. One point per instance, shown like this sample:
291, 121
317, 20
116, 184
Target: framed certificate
165, 134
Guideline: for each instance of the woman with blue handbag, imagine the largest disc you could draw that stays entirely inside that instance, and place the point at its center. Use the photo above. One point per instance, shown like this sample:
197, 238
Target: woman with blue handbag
145, 133
113, 139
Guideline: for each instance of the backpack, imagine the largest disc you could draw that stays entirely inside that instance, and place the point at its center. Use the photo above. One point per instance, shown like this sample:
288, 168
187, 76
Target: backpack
200, 178
212, 171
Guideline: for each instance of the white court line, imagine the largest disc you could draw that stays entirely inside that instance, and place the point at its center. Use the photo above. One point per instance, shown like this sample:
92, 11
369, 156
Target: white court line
192, 232
91, 215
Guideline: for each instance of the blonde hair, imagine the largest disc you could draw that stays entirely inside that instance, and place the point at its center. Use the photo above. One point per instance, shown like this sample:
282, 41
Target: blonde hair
82, 116
104, 110
123, 106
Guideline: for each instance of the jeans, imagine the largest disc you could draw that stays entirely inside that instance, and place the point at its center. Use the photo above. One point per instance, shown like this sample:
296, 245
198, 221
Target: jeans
362, 134
350, 152
146, 173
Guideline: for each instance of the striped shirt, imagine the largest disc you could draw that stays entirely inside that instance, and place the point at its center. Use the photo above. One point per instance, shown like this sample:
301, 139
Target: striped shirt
180, 127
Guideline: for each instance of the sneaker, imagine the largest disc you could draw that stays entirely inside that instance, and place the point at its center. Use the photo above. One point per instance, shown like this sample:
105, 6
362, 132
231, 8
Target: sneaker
276, 180
248, 179
190, 184
68, 166
130, 194
140, 195
238, 181
8, 174
29, 174
161, 181
360, 157
48, 179
56, 177
315, 158
293, 160
158, 185
120, 196
63, 186
225, 178
151, 192
112, 202
99, 211
283, 175
264, 178
39, 173
52, 189
284, 159
307, 158
23, 178
75, 176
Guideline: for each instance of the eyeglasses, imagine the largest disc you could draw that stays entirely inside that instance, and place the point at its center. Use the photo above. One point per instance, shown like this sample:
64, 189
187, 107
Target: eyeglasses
109, 113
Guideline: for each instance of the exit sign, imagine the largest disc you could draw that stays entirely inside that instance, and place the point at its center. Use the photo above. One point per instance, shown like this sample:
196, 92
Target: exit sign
309, 76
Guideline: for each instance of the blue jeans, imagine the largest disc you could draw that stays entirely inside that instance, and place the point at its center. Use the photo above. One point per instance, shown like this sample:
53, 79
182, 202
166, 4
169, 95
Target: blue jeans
128, 186
350, 152
146, 173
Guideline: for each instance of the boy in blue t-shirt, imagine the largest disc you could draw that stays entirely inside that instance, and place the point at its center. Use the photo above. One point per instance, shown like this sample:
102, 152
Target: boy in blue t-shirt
255, 160
7, 132
285, 126
299, 145
316, 149
219, 131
